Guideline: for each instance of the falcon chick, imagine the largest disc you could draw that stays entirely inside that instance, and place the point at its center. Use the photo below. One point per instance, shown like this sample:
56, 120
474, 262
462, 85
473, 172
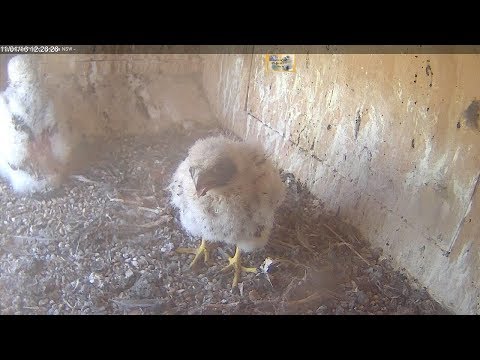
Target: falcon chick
227, 191
32, 149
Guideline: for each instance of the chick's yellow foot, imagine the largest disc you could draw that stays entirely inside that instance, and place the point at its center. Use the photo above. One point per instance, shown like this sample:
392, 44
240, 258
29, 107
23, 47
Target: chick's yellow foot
201, 250
235, 263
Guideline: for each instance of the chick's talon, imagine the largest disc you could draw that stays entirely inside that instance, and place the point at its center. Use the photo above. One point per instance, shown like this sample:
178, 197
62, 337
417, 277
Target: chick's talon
201, 250
236, 264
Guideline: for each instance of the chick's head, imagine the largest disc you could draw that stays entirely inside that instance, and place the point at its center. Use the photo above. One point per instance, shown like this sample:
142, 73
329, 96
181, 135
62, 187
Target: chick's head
211, 164
216, 175
22, 69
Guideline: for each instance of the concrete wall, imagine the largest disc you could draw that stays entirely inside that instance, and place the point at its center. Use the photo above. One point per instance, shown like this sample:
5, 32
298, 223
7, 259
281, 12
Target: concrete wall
107, 95
389, 142
93, 93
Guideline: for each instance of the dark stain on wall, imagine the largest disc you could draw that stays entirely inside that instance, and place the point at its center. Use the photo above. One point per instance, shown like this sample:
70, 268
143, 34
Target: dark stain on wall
471, 114
358, 120
368, 153
428, 70
441, 188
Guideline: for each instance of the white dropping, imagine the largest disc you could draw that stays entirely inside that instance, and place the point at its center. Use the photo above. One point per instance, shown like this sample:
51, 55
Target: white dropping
266, 265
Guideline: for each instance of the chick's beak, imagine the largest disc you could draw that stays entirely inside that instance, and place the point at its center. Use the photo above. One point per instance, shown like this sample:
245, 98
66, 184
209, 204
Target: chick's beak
201, 189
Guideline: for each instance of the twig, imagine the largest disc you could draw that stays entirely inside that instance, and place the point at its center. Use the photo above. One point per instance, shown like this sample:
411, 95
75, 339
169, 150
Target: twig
334, 294
347, 244
156, 211
289, 288
393, 288
304, 243
291, 263
153, 223
124, 201
135, 303
286, 228
37, 238
223, 305
76, 284
68, 304
280, 242
149, 197
316, 295
84, 179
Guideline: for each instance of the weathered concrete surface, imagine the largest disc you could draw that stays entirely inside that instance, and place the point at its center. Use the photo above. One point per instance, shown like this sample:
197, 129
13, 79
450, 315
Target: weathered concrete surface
390, 142
107, 95
225, 82
94, 92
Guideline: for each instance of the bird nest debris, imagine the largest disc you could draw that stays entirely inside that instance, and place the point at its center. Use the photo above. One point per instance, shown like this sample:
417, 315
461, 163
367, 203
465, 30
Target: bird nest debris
105, 243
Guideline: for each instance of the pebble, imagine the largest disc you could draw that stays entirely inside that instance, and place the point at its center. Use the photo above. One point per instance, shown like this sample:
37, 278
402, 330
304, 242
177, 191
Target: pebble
253, 295
339, 310
362, 297
322, 309
128, 273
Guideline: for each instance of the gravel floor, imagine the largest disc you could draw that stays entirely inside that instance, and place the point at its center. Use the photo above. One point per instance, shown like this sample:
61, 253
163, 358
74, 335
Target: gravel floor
105, 244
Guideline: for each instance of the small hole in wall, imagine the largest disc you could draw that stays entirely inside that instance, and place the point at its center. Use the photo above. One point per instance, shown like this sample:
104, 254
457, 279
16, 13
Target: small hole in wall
458, 125
329, 127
